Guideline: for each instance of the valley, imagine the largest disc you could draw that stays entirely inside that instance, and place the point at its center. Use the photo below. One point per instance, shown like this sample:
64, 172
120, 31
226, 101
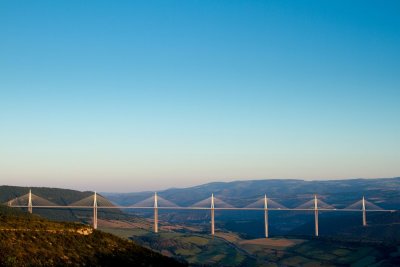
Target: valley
229, 249
239, 235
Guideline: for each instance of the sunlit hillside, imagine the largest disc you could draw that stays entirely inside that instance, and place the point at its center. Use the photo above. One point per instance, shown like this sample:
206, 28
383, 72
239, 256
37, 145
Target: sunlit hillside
28, 240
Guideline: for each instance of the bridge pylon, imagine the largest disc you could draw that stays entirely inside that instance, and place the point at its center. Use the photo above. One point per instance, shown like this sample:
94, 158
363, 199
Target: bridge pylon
266, 215
30, 201
316, 215
155, 213
212, 215
364, 213
95, 211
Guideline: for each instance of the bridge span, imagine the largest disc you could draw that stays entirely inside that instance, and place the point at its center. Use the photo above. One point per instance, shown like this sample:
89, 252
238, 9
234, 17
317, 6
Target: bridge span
156, 203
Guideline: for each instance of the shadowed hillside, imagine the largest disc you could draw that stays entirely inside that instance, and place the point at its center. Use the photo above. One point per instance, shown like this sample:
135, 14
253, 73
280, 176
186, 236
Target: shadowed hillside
28, 240
62, 197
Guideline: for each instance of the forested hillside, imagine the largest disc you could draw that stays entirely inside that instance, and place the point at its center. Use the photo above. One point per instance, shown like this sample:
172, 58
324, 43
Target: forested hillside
28, 240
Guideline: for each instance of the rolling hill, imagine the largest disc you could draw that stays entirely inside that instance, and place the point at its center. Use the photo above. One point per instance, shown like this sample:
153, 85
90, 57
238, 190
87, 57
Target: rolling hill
29, 240
289, 192
384, 192
61, 197
184, 235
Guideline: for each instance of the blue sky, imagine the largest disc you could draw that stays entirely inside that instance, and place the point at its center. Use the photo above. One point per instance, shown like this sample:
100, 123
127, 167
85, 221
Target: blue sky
137, 95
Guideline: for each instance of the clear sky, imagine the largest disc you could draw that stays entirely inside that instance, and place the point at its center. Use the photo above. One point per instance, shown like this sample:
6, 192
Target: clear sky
137, 95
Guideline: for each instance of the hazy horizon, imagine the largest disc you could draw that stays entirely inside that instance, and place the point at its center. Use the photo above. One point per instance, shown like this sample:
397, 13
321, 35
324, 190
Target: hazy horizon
105, 95
157, 188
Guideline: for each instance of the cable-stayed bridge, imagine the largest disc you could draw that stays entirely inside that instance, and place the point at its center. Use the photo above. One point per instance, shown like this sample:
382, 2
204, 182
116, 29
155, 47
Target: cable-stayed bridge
212, 203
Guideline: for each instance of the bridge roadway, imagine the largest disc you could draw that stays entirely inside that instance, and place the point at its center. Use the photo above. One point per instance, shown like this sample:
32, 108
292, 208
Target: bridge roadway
310, 206
198, 208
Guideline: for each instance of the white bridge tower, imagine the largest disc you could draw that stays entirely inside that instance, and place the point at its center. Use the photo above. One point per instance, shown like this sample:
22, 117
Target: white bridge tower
316, 214
95, 211
212, 215
364, 213
266, 215
30, 201
155, 213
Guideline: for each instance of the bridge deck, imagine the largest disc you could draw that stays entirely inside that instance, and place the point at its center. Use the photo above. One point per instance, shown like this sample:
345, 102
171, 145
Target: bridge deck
196, 208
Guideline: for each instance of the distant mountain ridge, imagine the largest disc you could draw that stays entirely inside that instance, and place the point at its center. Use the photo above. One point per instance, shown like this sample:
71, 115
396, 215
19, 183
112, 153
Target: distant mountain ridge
384, 192
291, 192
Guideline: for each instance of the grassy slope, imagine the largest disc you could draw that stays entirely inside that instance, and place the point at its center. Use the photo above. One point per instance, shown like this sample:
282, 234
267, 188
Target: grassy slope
27, 240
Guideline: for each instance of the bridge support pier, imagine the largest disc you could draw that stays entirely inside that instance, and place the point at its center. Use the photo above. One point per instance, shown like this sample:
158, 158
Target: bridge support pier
95, 211
266, 215
155, 213
30, 201
364, 213
316, 215
212, 215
